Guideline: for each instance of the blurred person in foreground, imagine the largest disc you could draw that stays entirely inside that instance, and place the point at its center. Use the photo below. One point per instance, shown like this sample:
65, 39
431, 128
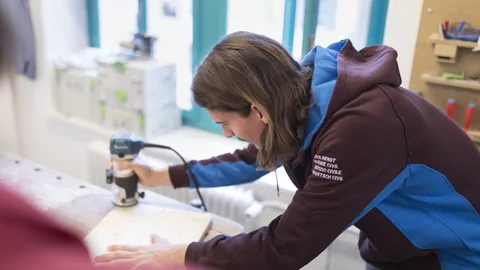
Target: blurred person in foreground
29, 239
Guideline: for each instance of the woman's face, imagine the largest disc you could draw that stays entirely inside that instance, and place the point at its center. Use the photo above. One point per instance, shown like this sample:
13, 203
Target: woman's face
248, 128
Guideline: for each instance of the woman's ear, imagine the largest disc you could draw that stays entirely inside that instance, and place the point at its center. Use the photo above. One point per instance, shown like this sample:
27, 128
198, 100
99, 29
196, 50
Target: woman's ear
261, 114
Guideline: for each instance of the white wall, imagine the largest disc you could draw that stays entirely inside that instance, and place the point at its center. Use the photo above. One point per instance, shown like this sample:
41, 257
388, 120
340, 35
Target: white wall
60, 27
401, 29
8, 135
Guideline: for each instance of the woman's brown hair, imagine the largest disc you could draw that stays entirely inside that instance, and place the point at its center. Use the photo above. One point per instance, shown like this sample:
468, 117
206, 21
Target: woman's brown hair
246, 68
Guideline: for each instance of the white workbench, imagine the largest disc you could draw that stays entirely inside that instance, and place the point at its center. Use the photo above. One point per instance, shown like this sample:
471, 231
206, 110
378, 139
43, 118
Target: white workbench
77, 203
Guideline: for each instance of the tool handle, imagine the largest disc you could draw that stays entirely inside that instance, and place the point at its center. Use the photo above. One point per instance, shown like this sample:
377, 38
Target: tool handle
450, 108
468, 116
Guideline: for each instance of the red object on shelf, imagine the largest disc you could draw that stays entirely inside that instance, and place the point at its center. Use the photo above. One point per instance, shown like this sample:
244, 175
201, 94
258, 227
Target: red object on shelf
446, 24
468, 116
450, 108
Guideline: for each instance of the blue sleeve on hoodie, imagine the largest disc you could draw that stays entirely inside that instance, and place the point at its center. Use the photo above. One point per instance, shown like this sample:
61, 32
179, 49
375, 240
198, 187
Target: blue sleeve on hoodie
225, 174
228, 169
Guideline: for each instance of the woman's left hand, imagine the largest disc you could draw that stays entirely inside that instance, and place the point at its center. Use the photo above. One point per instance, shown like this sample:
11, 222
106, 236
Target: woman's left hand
160, 255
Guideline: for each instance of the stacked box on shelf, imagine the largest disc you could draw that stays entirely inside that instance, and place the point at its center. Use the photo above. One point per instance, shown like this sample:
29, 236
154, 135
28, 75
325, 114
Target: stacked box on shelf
74, 86
132, 95
137, 95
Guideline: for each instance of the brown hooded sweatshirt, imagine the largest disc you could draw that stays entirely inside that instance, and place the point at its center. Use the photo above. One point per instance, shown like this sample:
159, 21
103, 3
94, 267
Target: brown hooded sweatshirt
375, 156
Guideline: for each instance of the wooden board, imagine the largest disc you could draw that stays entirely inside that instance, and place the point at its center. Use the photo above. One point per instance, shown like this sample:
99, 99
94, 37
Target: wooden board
134, 225
426, 70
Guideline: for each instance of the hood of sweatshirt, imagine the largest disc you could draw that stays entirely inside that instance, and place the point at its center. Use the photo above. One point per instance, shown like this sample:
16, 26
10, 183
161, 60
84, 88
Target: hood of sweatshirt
340, 74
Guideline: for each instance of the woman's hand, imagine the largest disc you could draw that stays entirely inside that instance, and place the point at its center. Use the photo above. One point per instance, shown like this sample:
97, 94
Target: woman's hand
160, 255
148, 175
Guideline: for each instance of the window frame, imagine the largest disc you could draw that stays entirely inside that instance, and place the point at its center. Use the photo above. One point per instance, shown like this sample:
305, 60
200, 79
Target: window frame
309, 25
289, 18
93, 23
378, 19
210, 25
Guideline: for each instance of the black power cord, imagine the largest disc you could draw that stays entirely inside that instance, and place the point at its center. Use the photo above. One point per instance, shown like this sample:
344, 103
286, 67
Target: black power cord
190, 174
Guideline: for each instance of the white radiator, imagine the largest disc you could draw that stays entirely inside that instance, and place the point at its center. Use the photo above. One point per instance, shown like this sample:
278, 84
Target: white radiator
234, 203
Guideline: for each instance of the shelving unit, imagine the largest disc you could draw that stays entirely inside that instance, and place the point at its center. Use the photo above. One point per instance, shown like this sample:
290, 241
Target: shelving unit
439, 80
447, 50
435, 39
435, 57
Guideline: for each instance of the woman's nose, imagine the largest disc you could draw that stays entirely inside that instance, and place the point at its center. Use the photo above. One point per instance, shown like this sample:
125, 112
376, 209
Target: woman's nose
227, 132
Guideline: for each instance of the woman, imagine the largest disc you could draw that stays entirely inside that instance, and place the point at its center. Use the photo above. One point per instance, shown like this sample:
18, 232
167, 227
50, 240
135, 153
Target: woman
362, 151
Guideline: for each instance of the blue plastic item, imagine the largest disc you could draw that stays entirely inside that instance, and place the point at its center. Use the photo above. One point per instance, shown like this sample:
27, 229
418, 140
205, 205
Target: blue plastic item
463, 31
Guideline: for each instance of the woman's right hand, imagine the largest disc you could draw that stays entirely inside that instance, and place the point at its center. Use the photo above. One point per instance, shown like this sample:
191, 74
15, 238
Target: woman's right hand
147, 175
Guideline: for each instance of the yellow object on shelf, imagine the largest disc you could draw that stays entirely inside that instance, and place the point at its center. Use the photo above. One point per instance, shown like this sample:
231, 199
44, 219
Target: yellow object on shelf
474, 135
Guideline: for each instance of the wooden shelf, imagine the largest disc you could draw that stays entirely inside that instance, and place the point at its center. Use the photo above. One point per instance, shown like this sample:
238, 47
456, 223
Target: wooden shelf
435, 38
466, 84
